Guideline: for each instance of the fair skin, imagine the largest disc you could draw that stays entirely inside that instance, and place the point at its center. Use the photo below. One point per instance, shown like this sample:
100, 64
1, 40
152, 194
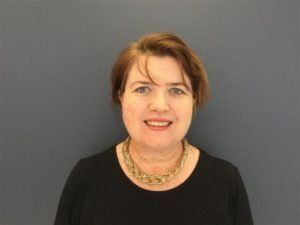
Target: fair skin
157, 118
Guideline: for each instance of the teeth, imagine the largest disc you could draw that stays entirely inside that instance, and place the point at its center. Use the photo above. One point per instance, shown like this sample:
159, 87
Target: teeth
159, 124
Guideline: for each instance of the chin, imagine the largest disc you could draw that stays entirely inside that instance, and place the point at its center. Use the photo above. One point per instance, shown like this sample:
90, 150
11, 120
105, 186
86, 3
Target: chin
159, 143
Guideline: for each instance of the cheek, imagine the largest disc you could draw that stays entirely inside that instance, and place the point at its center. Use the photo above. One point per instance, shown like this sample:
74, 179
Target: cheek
186, 117
184, 110
132, 112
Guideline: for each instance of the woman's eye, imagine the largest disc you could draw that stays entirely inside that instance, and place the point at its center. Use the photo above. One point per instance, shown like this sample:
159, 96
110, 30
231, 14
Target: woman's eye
142, 90
177, 91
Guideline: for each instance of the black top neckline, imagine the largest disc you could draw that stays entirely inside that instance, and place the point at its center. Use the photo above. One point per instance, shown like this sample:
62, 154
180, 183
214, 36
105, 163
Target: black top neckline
180, 187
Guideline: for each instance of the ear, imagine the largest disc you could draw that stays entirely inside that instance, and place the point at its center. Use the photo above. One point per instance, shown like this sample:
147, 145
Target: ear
194, 102
120, 97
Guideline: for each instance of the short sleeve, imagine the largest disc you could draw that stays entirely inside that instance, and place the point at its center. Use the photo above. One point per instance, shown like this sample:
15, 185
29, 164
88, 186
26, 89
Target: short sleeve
240, 207
69, 198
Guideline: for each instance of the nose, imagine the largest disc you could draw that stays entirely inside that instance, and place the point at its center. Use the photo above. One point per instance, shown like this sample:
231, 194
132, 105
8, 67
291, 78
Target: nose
159, 102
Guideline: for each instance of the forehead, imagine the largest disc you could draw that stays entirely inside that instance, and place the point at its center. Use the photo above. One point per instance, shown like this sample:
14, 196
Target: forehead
161, 69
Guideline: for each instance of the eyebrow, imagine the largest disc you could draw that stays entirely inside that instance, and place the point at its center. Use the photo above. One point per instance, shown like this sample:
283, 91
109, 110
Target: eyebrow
150, 83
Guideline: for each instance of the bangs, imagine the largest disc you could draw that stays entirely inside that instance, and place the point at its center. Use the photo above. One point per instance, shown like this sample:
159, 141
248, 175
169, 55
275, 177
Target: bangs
143, 68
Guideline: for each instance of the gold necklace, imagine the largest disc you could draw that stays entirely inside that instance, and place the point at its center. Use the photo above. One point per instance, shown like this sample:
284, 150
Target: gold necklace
152, 179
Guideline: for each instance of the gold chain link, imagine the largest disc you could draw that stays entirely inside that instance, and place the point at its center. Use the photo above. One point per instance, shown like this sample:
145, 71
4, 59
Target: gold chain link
153, 179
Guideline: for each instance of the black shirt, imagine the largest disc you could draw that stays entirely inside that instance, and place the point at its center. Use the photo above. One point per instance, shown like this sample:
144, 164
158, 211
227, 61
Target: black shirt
98, 192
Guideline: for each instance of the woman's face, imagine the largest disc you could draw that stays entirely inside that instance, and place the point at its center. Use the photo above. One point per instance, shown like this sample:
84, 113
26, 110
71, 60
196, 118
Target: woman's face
157, 116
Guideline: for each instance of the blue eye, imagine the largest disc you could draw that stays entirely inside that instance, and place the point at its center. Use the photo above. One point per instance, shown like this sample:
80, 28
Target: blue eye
142, 90
177, 91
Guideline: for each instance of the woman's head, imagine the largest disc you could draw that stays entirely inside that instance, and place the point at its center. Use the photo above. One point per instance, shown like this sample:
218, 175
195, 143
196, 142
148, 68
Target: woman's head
161, 44
157, 81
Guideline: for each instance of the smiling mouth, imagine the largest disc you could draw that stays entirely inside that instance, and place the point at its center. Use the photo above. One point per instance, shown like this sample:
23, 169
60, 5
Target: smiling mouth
157, 123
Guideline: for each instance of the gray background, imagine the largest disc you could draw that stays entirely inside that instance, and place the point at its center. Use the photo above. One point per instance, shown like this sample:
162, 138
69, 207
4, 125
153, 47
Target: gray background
55, 94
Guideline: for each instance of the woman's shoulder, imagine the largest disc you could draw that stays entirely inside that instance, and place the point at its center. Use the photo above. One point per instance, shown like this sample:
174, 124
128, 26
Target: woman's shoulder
216, 161
100, 154
96, 163
217, 166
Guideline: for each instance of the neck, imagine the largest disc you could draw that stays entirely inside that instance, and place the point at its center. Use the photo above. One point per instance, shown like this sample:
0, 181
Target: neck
155, 161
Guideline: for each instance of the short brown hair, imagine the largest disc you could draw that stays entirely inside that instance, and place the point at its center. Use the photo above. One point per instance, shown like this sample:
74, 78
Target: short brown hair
161, 44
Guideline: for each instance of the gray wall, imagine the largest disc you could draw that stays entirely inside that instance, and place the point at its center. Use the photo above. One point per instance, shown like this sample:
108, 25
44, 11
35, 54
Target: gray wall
55, 63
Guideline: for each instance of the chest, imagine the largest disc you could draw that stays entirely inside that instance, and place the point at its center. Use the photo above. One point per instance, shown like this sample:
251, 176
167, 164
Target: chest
137, 208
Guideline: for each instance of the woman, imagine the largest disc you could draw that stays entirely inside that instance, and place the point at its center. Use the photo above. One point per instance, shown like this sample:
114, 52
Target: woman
155, 176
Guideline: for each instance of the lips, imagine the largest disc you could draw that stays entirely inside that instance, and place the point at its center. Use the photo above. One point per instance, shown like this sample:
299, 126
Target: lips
158, 122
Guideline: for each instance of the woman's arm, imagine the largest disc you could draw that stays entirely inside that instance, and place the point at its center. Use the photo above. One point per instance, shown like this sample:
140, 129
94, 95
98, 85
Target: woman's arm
69, 198
240, 207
